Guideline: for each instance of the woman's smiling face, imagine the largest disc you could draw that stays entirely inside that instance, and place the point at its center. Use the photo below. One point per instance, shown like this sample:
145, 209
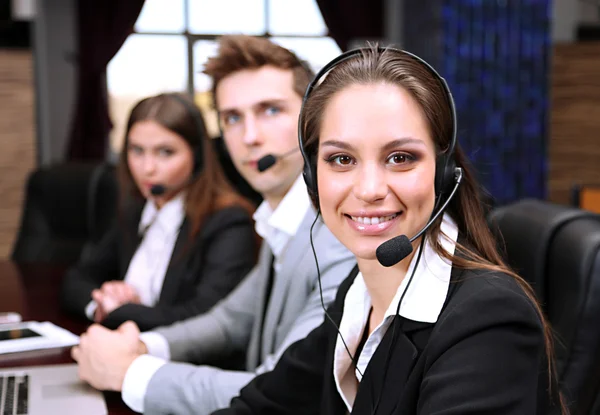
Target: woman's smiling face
376, 166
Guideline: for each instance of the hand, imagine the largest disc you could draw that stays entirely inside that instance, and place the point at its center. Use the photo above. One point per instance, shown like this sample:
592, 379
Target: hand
120, 292
105, 305
104, 356
112, 295
99, 313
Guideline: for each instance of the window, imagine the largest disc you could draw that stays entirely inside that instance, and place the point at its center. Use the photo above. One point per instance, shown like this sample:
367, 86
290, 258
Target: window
173, 39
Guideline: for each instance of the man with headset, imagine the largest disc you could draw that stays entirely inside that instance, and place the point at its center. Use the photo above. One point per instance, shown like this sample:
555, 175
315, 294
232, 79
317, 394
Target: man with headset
257, 89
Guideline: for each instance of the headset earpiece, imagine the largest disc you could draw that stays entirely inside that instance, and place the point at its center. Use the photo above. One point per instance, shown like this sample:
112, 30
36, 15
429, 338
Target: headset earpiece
445, 173
309, 173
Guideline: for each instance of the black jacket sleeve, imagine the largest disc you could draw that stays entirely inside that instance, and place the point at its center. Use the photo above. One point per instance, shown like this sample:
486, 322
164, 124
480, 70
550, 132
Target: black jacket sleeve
223, 255
92, 270
296, 384
486, 355
483, 357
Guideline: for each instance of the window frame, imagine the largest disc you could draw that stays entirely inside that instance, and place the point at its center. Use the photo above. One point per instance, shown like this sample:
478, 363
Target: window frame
192, 38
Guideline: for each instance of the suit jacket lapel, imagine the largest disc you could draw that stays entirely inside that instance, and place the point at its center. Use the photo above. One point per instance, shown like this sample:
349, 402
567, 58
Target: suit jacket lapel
264, 263
298, 247
130, 238
412, 338
386, 376
177, 264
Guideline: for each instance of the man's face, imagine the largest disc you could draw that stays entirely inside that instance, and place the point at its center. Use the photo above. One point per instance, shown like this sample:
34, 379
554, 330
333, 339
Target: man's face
258, 112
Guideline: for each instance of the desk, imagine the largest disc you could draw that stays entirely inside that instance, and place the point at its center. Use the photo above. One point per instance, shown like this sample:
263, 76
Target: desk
32, 291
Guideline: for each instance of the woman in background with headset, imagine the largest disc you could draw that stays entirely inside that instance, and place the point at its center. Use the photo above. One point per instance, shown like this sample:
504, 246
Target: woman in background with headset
183, 238
433, 325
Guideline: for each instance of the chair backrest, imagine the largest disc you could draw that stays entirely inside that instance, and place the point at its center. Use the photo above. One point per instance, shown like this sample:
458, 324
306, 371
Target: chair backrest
56, 220
103, 197
525, 230
573, 309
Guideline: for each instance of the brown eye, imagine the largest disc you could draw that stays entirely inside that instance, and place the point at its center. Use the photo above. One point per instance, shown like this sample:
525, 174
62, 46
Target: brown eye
344, 160
399, 158
340, 160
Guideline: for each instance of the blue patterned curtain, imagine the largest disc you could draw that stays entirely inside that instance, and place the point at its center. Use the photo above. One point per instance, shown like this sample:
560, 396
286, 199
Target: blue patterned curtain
495, 57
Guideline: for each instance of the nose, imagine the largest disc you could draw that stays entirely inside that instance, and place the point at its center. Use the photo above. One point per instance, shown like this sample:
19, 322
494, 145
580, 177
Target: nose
149, 165
370, 183
251, 131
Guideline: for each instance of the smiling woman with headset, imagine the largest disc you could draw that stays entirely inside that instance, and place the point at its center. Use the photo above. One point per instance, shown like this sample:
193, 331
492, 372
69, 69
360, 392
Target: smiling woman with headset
431, 321
183, 238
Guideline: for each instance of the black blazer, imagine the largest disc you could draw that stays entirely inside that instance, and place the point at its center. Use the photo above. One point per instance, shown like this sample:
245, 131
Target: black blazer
200, 273
485, 355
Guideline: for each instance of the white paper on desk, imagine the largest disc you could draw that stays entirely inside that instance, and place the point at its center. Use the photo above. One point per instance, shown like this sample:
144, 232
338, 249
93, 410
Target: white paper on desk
48, 335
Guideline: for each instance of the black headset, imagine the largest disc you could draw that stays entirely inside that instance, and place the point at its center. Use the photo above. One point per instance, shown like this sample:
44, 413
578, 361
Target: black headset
198, 148
447, 178
445, 169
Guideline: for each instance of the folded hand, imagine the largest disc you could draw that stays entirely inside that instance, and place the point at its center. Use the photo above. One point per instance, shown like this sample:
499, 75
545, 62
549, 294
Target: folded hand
112, 295
105, 355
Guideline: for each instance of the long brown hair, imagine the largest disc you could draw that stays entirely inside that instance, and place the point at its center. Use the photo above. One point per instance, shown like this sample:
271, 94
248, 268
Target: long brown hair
209, 191
375, 66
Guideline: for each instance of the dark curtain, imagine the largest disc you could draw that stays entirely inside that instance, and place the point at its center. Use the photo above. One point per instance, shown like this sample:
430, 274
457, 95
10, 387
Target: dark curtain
348, 20
102, 28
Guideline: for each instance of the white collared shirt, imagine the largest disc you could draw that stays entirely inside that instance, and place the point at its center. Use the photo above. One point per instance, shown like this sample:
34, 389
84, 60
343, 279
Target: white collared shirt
277, 228
423, 302
148, 266
160, 229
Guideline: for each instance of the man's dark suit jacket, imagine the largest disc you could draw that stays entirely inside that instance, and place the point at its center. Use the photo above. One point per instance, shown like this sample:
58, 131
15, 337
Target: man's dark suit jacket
484, 355
201, 271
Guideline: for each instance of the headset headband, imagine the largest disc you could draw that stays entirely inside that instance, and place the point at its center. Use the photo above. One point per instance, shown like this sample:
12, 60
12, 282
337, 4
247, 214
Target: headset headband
445, 164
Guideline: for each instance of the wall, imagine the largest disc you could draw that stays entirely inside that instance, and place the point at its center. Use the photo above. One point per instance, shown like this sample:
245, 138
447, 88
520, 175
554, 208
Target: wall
17, 129
568, 14
574, 147
55, 46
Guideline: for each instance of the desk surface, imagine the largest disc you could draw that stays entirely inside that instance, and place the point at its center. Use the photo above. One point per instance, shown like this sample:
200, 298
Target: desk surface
32, 291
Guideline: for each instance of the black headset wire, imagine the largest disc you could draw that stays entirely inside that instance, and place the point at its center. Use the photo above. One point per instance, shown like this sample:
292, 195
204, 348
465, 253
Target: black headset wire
353, 358
436, 212
396, 316
312, 245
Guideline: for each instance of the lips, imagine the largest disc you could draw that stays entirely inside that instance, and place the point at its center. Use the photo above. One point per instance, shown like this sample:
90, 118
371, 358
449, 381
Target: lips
373, 220
372, 224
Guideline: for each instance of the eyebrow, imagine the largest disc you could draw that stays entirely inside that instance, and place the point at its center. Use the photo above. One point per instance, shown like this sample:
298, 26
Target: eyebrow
260, 104
160, 145
389, 146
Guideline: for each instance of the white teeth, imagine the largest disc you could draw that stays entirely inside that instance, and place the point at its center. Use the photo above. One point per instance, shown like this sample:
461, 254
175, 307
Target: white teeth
373, 220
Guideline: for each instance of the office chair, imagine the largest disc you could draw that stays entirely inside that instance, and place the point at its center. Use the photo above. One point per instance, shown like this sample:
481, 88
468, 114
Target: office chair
65, 207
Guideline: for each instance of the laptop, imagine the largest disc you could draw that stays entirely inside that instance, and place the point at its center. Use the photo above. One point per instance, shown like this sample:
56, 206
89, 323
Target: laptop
34, 335
48, 390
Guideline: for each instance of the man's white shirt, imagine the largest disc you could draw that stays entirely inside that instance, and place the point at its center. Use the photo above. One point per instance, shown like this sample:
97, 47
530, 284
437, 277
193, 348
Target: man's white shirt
276, 227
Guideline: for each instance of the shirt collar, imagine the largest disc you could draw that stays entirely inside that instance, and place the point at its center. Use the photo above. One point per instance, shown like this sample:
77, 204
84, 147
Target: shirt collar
427, 292
169, 217
288, 215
